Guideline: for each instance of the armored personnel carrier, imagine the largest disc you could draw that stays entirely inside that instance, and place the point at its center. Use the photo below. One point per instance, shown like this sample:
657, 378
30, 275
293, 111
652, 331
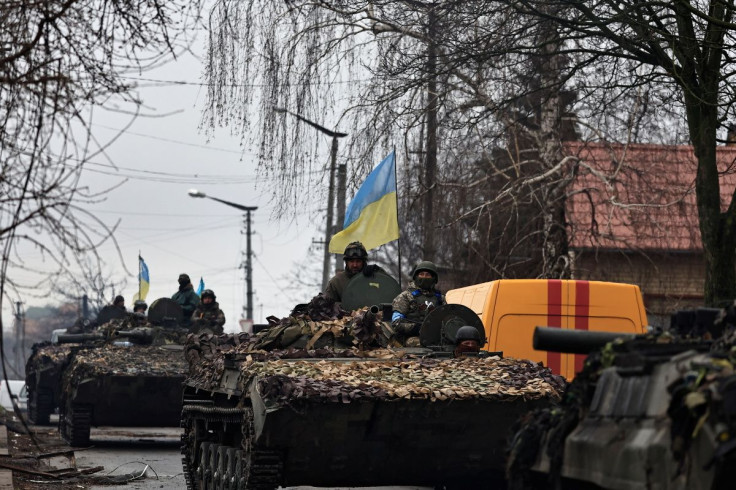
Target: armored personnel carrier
133, 379
49, 359
327, 398
654, 411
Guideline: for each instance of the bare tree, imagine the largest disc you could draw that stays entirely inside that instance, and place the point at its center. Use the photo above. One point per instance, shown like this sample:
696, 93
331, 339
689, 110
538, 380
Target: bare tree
59, 62
687, 47
439, 79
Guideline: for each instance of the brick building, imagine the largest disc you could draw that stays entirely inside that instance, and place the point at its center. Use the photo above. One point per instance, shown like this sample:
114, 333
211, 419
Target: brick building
632, 217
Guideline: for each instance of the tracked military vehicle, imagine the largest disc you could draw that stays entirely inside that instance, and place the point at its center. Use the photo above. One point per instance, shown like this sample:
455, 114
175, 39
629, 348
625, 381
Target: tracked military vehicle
49, 359
133, 379
654, 411
327, 398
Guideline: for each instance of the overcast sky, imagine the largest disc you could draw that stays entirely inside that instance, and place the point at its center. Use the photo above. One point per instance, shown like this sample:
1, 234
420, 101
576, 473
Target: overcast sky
160, 157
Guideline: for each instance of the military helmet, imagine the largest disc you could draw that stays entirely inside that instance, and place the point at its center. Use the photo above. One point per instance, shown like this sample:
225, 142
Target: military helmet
355, 250
139, 303
425, 265
208, 293
467, 333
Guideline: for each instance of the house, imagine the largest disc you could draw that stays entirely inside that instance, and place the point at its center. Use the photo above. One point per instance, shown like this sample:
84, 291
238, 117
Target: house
632, 217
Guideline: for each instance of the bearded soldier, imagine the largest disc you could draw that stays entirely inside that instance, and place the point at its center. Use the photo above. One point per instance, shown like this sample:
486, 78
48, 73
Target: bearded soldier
355, 258
411, 307
208, 314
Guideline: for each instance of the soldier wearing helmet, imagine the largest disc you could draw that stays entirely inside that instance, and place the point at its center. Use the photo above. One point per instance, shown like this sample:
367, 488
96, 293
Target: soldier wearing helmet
140, 306
467, 341
411, 306
208, 317
355, 257
186, 297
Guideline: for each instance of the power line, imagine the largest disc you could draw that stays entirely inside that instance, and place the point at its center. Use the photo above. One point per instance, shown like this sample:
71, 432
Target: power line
168, 140
202, 84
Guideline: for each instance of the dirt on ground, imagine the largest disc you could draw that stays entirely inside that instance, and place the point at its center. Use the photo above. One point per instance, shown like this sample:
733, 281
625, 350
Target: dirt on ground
40, 459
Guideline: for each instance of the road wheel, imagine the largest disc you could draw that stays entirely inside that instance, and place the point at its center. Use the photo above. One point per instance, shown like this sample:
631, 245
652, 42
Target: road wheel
228, 482
202, 462
239, 476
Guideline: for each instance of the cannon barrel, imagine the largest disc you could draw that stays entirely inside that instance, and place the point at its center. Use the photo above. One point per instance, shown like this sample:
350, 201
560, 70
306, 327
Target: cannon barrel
136, 336
74, 338
370, 315
573, 341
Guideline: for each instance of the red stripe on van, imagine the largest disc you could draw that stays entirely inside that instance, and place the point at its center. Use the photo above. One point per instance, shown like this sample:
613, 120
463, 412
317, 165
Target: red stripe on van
554, 319
582, 312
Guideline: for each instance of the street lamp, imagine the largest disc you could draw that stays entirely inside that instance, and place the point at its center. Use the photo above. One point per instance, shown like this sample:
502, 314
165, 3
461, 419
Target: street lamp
341, 178
248, 254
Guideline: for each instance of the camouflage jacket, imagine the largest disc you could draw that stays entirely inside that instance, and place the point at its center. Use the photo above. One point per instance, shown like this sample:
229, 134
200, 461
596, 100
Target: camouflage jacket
413, 305
339, 282
208, 316
187, 299
337, 285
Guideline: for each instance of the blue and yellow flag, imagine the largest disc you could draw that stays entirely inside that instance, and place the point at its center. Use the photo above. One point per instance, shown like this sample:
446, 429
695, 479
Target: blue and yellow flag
143, 280
371, 216
200, 288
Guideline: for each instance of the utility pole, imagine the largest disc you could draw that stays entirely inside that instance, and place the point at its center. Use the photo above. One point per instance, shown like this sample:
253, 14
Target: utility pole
329, 228
341, 178
248, 266
19, 332
248, 269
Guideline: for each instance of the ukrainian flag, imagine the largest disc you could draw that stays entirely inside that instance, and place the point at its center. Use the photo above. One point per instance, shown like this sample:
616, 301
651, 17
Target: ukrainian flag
143, 281
371, 217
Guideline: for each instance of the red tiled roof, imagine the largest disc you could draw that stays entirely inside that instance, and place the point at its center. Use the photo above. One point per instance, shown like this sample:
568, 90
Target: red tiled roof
639, 197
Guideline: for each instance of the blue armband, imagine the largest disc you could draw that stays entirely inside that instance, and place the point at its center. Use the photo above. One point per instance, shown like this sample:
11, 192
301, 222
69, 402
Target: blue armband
396, 316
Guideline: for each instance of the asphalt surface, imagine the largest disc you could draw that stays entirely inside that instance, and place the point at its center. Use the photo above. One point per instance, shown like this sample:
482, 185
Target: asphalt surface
152, 453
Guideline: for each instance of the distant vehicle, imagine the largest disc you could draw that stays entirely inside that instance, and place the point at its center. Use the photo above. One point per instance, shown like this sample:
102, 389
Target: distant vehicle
17, 390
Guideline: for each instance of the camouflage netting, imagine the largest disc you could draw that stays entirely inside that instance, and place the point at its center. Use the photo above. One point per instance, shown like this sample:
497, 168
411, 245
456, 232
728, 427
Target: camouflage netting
47, 353
127, 361
276, 358
491, 378
283, 377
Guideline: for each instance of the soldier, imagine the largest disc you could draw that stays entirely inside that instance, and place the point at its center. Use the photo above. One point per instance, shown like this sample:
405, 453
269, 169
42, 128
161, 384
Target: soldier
119, 302
140, 306
208, 314
355, 258
186, 297
467, 341
411, 306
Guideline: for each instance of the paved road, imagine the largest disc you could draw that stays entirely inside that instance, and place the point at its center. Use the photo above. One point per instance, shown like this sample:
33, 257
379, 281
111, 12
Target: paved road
156, 450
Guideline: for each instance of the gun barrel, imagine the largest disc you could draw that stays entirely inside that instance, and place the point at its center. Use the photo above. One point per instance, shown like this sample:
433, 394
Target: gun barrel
573, 341
74, 338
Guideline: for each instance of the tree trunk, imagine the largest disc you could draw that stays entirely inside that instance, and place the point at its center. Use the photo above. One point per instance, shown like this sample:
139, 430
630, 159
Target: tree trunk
717, 228
555, 260
430, 171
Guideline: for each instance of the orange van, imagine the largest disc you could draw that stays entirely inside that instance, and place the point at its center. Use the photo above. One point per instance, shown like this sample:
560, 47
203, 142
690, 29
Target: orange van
511, 308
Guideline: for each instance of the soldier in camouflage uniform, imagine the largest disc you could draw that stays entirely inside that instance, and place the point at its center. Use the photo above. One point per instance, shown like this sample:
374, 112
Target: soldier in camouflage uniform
208, 315
355, 258
411, 306
186, 297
